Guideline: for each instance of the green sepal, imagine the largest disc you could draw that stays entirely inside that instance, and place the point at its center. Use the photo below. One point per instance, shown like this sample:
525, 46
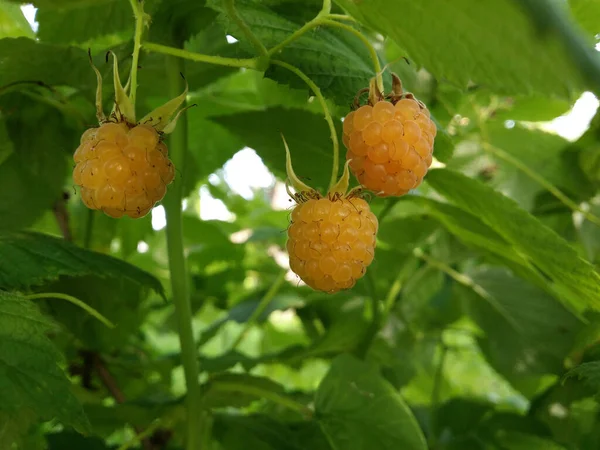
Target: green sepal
342, 185
123, 106
298, 185
160, 117
99, 112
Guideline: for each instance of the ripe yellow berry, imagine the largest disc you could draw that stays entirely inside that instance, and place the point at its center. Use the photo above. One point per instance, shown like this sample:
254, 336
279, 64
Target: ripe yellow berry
331, 242
122, 170
390, 145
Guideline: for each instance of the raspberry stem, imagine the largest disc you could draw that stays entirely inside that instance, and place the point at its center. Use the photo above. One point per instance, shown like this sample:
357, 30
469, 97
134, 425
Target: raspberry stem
177, 266
264, 303
138, 12
87, 308
252, 63
328, 118
370, 48
324, 13
235, 16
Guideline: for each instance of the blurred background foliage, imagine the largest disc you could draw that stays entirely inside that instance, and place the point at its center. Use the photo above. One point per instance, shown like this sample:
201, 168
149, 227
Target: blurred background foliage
487, 274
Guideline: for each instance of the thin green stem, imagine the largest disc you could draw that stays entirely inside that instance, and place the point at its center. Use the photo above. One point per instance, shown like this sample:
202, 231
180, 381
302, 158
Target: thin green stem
138, 13
370, 48
324, 13
393, 292
262, 305
177, 264
198, 57
328, 118
87, 308
326, 9
143, 435
341, 17
296, 35
235, 16
267, 394
541, 181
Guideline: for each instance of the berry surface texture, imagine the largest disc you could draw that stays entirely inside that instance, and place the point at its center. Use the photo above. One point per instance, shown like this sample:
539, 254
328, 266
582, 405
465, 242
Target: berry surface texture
122, 169
390, 145
331, 242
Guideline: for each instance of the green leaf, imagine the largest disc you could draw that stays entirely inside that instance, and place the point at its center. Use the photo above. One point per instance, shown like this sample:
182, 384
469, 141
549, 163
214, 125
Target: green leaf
541, 152
454, 42
262, 432
32, 176
467, 227
406, 233
573, 278
31, 259
32, 385
526, 330
238, 390
358, 410
86, 21
533, 108
63, 66
587, 15
335, 60
13, 22
589, 372
307, 135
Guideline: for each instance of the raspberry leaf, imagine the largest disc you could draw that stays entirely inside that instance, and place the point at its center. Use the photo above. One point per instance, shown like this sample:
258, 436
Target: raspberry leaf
335, 60
87, 20
358, 409
464, 35
573, 279
536, 335
32, 259
34, 388
589, 373
12, 21
33, 166
267, 432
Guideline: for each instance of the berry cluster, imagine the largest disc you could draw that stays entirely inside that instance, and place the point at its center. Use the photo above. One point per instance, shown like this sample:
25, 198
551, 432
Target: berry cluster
331, 242
390, 145
122, 171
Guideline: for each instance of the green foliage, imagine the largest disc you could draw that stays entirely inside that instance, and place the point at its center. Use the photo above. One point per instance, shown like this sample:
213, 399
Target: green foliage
32, 383
30, 259
476, 325
357, 408
463, 34
575, 280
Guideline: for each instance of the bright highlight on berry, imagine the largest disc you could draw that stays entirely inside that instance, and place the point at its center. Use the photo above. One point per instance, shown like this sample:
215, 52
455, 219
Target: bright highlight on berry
122, 167
122, 171
331, 239
389, 141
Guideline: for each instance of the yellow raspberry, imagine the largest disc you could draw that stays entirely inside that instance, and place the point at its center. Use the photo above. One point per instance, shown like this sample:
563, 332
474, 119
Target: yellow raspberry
122, 169
331, 242
390, 143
